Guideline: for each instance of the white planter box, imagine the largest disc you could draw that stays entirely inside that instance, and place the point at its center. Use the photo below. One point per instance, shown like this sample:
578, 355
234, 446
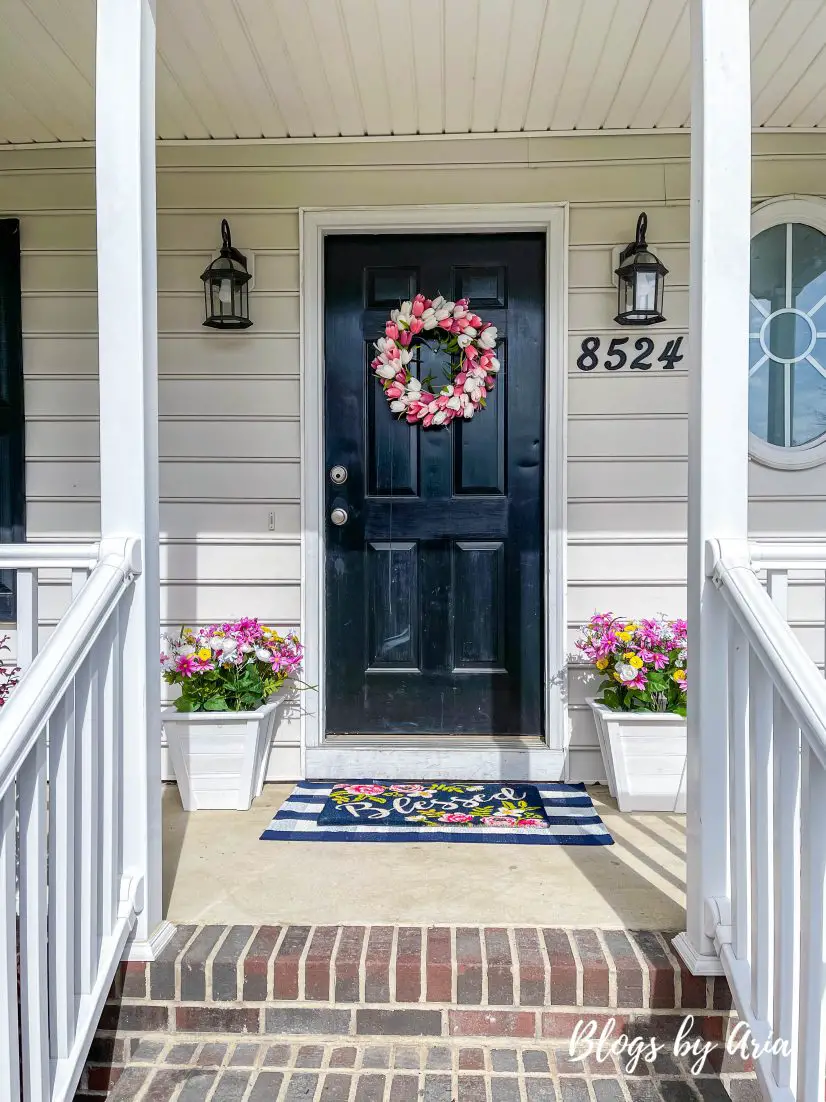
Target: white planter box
220, 758
644, 755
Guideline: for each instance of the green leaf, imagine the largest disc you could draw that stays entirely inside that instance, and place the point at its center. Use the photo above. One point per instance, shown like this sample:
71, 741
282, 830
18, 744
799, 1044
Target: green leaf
186, 704
216, 704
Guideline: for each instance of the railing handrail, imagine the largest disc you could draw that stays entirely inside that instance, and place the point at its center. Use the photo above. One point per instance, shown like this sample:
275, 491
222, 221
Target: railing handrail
795, 556
31, 704
35, 556
795, 676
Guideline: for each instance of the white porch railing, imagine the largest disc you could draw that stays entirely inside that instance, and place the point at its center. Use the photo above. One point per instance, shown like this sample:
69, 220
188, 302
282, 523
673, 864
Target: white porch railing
67, 904
770, 930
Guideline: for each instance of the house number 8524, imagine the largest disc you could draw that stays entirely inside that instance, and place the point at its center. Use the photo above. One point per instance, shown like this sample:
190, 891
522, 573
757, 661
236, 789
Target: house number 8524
620, 353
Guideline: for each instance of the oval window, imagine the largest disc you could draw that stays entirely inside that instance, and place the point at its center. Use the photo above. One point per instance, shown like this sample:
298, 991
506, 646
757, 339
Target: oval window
787, 335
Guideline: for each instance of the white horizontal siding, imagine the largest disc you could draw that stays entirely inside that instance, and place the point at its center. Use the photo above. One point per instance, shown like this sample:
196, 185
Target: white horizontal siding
230, 404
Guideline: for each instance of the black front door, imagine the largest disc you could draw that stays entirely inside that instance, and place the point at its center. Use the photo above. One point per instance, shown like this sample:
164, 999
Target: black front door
434, 583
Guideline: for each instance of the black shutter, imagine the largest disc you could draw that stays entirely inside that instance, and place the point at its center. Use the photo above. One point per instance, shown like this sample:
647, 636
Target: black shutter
12, 424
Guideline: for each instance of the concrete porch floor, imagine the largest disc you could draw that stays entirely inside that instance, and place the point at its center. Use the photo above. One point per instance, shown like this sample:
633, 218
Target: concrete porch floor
217, 871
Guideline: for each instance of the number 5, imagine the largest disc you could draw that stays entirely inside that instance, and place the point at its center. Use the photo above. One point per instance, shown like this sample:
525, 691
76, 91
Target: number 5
615, 350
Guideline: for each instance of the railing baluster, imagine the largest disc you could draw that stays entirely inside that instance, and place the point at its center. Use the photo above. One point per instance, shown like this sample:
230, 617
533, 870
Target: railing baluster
111, 727
9, 1024
812, 1043
62, 830
738, 704
34, 1010
762, 838
787, 884
777, 585
87, 851
28, 617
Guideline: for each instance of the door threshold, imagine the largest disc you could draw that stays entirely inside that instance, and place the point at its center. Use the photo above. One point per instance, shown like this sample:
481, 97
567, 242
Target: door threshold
436, 742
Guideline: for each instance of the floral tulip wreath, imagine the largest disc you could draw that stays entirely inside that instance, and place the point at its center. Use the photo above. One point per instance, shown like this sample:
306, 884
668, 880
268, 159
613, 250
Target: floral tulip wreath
470, 344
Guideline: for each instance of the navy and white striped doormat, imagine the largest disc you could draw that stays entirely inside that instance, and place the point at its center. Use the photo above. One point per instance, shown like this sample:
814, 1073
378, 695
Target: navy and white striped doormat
570, 818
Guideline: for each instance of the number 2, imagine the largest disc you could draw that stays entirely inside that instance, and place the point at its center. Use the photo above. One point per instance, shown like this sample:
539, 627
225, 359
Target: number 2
645, 346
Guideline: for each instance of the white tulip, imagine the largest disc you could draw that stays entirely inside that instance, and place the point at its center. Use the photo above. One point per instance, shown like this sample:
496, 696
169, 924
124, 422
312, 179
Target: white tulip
470, 384
406, 307
394, 315
476, 394
455, 402
428, 313
467, 412
487, 338
439, 418
463, 340
414, 385
470, 331
406, 356
430, 323
386, 371
450, 306
442, 314
398, 406
433, 407
493, 366
438, 302
382, 344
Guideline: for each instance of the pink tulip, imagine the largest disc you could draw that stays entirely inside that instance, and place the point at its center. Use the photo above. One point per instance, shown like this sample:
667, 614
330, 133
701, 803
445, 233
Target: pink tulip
417, 309
405, 337
391, 330
471, 352
394, 391
416, 325
428, 421
401, 376
445, 323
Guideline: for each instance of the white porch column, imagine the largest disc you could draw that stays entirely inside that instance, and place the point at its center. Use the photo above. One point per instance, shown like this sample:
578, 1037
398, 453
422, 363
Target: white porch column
718, 424
127, 313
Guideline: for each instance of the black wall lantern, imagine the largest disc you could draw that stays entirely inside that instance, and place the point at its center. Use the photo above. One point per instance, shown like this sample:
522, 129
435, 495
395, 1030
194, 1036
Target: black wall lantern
226, 287
640, 282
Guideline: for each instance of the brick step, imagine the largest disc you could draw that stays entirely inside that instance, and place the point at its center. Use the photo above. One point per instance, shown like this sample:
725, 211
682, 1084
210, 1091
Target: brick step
438, 985
467, 967
227, 1068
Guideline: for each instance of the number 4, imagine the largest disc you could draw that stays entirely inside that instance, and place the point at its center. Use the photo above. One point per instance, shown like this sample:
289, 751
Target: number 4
670, 355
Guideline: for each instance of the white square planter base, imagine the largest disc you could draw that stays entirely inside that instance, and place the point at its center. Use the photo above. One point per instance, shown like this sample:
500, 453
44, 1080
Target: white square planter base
644, 755
220, 758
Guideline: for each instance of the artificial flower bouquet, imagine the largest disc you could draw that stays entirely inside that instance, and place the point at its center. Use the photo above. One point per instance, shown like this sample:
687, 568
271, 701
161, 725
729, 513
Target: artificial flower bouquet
232, 667
644, 662
8, 674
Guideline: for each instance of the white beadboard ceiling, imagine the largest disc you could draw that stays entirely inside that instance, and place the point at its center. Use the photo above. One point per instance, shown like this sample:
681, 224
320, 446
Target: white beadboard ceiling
330, 68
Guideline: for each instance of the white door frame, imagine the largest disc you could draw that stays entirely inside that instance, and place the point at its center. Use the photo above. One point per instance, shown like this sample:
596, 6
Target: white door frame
503, 758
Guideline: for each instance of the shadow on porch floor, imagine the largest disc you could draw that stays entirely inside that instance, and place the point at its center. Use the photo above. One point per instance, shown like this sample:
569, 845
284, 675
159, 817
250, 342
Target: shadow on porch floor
217, 871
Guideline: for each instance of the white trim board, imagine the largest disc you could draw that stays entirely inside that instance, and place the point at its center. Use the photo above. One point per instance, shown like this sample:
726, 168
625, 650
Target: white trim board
331, 761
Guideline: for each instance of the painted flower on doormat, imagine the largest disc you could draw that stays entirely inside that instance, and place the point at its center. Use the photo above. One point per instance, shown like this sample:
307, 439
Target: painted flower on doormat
470, 368
499, 806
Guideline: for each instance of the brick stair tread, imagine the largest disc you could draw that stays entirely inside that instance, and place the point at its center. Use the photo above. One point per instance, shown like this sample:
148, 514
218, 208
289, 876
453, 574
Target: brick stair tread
245, 1069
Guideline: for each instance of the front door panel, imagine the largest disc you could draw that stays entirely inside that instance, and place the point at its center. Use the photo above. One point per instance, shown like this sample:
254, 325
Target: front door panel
434, 584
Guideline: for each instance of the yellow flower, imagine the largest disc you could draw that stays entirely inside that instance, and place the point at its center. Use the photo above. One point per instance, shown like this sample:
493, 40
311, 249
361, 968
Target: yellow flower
616, 676
205, 654
636, 662
626, 636
678, 675
601, 663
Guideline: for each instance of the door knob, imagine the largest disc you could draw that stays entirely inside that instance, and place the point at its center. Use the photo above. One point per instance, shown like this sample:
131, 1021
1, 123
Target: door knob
339, 516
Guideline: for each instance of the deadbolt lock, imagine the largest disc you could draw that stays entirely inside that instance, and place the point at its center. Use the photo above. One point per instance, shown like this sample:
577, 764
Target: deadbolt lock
338, 474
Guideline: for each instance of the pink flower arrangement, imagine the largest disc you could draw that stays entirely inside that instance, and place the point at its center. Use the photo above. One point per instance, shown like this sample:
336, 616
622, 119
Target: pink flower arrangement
455, 817
644, 662
363, 789
468, 341
499, 821
231, 667
8, 674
